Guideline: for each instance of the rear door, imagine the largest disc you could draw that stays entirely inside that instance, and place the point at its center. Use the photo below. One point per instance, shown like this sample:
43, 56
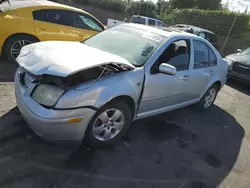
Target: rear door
205, 65
55, 24
87, 26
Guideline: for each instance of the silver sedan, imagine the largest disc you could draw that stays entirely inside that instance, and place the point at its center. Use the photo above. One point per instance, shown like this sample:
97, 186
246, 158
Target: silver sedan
93, 90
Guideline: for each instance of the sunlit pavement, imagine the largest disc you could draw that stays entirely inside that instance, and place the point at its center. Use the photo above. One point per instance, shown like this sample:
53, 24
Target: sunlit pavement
184, 149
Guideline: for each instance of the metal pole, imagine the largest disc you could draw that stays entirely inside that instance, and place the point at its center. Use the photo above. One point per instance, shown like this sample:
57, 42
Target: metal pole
224, 45
139, 9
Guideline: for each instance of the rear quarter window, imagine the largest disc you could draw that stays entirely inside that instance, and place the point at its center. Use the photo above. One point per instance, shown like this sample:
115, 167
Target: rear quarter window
211, 37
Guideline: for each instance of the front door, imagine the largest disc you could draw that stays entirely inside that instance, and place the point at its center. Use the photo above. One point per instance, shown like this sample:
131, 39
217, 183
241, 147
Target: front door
162, 91
55, 24
87, 26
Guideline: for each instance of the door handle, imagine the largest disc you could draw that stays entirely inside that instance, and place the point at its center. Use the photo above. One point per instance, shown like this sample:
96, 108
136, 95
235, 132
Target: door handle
184, 78
210, 73
42, 29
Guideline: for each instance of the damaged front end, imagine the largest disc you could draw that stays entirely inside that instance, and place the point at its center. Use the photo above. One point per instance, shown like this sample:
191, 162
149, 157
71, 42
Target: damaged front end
48, 89
50, 69
92, 74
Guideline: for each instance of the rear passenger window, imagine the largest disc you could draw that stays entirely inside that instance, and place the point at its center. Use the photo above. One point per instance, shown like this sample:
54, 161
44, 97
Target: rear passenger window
203, 55
211, 37
151, 22
62, 17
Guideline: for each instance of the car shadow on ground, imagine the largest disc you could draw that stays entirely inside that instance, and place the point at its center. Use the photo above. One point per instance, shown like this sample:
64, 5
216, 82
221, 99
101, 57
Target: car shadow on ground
7, 70
184, 148
239, 85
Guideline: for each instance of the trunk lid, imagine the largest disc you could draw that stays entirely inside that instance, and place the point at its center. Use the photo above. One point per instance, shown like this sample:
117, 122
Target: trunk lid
65, 58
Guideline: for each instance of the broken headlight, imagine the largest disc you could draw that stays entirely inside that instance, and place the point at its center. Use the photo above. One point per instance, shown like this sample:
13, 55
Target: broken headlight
47, 95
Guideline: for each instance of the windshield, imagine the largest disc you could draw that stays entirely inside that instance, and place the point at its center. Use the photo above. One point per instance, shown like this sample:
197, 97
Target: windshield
246, 52
134, 45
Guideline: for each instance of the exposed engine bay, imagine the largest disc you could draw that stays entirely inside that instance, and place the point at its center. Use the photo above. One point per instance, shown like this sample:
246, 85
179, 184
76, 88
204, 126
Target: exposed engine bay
94, 73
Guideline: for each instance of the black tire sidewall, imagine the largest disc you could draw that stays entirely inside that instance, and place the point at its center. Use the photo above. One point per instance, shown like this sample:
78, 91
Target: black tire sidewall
11, 41
122, 106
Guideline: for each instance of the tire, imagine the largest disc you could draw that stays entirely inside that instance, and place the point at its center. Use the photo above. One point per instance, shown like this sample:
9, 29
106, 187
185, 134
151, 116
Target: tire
16, 42
101, 134
202, 105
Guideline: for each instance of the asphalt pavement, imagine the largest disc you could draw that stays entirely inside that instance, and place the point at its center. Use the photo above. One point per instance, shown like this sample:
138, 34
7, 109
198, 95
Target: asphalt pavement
180, 149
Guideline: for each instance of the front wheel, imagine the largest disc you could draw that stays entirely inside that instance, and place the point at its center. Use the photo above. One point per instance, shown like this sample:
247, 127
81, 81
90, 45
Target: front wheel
209, 98
109, 124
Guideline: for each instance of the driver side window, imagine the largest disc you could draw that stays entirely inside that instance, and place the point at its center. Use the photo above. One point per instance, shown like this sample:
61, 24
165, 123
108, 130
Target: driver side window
177, 54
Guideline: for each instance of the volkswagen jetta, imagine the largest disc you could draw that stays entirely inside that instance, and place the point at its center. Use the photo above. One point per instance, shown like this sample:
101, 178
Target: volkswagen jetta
93, 90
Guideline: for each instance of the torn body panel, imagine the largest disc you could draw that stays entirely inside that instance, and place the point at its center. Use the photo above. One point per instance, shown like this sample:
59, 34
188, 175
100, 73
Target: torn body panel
94, 87
127, 83
92, 74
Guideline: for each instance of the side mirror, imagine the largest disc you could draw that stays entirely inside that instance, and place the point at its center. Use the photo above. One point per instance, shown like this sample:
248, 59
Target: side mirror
239, 50
167, 69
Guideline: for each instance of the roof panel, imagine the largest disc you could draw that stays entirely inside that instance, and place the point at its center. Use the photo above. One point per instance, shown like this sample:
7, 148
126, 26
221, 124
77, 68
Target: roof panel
164, 32
16, 4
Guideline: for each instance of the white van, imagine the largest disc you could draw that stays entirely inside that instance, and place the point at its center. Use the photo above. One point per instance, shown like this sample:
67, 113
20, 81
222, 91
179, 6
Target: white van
146, 21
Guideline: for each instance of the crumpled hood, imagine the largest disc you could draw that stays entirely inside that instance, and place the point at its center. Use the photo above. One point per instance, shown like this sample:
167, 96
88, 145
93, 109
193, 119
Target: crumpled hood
239, 58
64, 58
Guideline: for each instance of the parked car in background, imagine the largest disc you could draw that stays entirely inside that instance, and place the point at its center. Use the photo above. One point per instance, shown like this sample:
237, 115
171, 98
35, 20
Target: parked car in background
27, 21
113, 22
94, 89
206, 34
239, 64
146, 21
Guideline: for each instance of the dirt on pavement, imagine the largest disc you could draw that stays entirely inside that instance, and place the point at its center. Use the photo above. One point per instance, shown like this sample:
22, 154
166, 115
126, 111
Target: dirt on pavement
180, 149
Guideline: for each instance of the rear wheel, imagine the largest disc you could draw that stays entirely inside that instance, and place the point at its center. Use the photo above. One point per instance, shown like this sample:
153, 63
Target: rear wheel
14, 45
209, 97
109, 124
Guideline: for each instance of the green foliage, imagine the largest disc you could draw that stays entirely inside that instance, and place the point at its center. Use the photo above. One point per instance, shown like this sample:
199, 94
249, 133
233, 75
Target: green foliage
83, 2
216, 21
182, 4
112, 5
200, 4
147, 8
163, 7
209, 5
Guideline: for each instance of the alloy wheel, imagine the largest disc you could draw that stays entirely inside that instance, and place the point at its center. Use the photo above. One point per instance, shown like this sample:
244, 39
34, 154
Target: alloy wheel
17, 46
210, 97
108, 124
